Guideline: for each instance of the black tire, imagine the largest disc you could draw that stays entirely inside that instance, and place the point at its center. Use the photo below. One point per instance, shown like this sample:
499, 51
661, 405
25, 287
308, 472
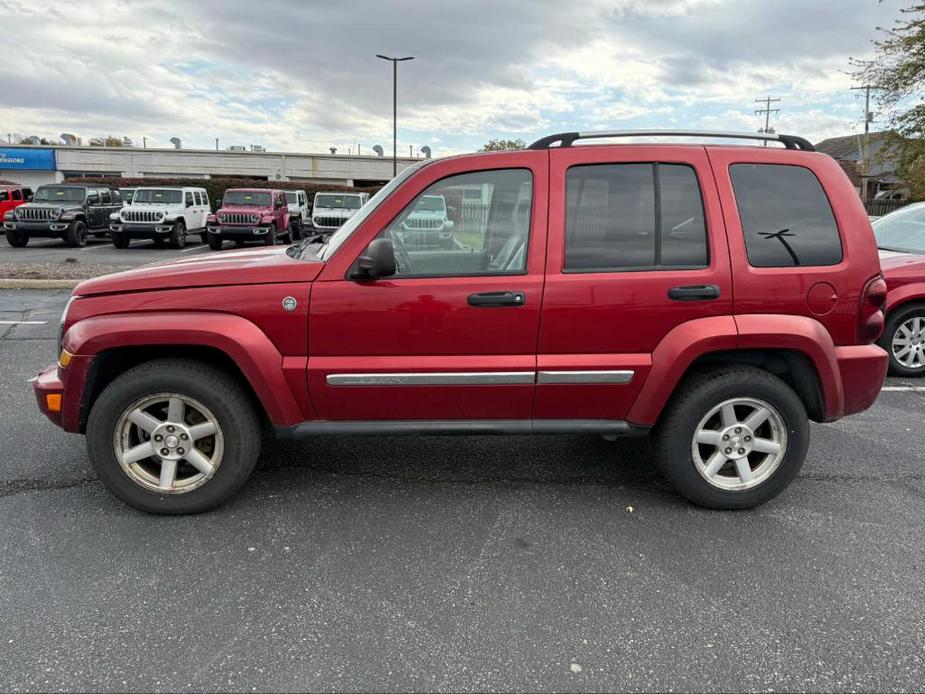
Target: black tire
893, 324
178, 234
16, 238
204, 236
270, 238
295, 229
215, 242
239, 243
695, 398
214, 388
119, 240
76, 234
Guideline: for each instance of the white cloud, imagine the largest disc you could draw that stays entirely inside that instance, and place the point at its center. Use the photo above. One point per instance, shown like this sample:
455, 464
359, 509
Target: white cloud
163, 68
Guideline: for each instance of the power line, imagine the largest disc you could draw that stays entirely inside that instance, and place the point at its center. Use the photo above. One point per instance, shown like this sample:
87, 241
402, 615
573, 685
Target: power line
767, 111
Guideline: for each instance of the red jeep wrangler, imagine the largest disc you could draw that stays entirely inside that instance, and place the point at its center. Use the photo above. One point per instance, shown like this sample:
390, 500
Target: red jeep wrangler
12, 197
716, 296
249, 214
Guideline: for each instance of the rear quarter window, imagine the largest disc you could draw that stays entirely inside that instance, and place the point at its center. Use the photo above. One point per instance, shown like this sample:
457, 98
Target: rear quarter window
785, 215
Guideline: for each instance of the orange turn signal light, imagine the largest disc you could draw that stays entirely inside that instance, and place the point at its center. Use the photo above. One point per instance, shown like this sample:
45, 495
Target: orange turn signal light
64, 358
53, 402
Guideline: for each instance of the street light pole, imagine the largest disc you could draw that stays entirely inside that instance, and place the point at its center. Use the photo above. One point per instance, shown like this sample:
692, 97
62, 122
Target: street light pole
395, 62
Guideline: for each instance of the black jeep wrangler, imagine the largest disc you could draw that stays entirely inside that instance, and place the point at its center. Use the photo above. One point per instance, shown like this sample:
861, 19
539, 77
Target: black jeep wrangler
69, 212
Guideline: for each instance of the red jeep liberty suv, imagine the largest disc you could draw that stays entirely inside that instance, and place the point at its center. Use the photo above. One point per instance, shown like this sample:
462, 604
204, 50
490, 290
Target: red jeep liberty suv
716, 296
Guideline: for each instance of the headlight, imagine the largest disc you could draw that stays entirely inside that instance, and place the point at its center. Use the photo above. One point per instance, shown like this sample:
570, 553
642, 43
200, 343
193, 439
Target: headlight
17, 212
67, 306
57, 213
256, 218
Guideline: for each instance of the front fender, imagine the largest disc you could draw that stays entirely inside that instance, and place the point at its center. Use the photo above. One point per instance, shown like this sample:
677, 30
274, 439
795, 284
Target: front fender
903, 295
246, 344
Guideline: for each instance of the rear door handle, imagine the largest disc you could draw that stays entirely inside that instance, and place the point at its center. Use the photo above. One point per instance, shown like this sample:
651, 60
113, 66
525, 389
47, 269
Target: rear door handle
697, 292
488, 299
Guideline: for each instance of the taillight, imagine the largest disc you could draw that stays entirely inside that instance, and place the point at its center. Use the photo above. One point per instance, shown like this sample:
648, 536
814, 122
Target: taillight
870, 318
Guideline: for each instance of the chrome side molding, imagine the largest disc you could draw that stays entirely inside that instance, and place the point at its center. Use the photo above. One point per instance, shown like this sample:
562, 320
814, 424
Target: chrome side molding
479, 378
584, 376
452, 378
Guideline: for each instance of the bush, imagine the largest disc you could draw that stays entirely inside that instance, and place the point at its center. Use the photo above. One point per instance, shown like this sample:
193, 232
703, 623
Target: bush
216, 187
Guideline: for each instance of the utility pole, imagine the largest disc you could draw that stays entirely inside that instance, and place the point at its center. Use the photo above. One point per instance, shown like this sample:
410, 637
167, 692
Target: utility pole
865, 154
767, 111
395, 62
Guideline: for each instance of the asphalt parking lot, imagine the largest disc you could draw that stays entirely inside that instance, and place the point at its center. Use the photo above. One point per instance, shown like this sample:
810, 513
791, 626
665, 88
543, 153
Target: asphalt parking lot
98, 251
444, 563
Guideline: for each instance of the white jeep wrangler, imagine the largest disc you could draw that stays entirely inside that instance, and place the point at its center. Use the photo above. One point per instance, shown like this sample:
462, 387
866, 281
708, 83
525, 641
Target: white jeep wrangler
165, 215
298, 211
330, 210
428, 225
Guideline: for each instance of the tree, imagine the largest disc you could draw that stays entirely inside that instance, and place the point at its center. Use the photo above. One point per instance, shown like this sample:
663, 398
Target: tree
897, 73
494, 145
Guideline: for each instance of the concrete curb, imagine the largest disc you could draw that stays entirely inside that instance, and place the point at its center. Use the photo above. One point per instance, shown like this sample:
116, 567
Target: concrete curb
38, 284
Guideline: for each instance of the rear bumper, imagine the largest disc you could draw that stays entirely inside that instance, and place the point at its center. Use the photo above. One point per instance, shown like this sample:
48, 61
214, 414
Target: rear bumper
862, 369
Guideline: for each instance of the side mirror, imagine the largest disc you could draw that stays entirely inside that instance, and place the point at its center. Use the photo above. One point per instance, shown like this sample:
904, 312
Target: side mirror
378, 261
29, 198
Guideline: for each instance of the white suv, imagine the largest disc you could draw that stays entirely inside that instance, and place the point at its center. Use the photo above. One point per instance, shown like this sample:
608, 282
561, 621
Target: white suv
165, 215
330, 210
298, 211
428, 224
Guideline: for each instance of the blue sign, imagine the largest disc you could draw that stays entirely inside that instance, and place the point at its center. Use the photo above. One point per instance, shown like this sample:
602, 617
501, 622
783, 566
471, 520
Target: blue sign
27, 159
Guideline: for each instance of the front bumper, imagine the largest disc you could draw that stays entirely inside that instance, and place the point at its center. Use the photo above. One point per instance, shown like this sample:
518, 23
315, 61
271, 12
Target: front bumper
52, 229
49, 389
239, 232
141, 231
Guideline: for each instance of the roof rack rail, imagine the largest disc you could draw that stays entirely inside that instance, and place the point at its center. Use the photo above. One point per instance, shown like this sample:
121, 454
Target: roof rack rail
567, 139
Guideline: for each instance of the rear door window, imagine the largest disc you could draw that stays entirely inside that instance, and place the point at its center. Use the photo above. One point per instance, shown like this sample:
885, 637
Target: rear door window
646, 216
786, 217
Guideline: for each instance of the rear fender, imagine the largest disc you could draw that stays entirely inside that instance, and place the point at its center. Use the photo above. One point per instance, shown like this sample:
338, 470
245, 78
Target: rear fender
255, 355
799, 334
673, 356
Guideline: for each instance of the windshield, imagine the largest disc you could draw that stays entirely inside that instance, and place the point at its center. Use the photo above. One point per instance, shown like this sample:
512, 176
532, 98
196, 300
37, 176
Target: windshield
903, 230
59, 194
292, 198
347, 202
338, 237
246, 197
431, 203
156, 196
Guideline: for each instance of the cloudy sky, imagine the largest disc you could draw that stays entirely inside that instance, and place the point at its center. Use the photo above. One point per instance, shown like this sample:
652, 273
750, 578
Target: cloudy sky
295, 75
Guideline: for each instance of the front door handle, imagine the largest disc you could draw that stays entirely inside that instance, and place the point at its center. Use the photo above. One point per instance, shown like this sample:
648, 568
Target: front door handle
697, 292
488, 299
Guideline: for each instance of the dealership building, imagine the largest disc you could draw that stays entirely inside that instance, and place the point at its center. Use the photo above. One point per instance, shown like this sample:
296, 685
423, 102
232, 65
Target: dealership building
32, 166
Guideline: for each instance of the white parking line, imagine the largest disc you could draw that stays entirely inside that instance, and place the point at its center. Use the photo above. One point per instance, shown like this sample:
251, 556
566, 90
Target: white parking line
904, 389
23, 322
193, 248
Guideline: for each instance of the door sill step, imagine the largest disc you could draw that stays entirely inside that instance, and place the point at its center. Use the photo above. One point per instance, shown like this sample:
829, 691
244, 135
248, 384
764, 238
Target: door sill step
611, 427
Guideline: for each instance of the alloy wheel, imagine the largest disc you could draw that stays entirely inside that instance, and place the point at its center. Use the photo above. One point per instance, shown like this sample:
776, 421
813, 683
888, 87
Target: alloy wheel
739, 444
168, 443
908, 344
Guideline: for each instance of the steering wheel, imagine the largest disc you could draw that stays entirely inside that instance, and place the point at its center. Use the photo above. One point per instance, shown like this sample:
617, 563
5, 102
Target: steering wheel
405, 264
